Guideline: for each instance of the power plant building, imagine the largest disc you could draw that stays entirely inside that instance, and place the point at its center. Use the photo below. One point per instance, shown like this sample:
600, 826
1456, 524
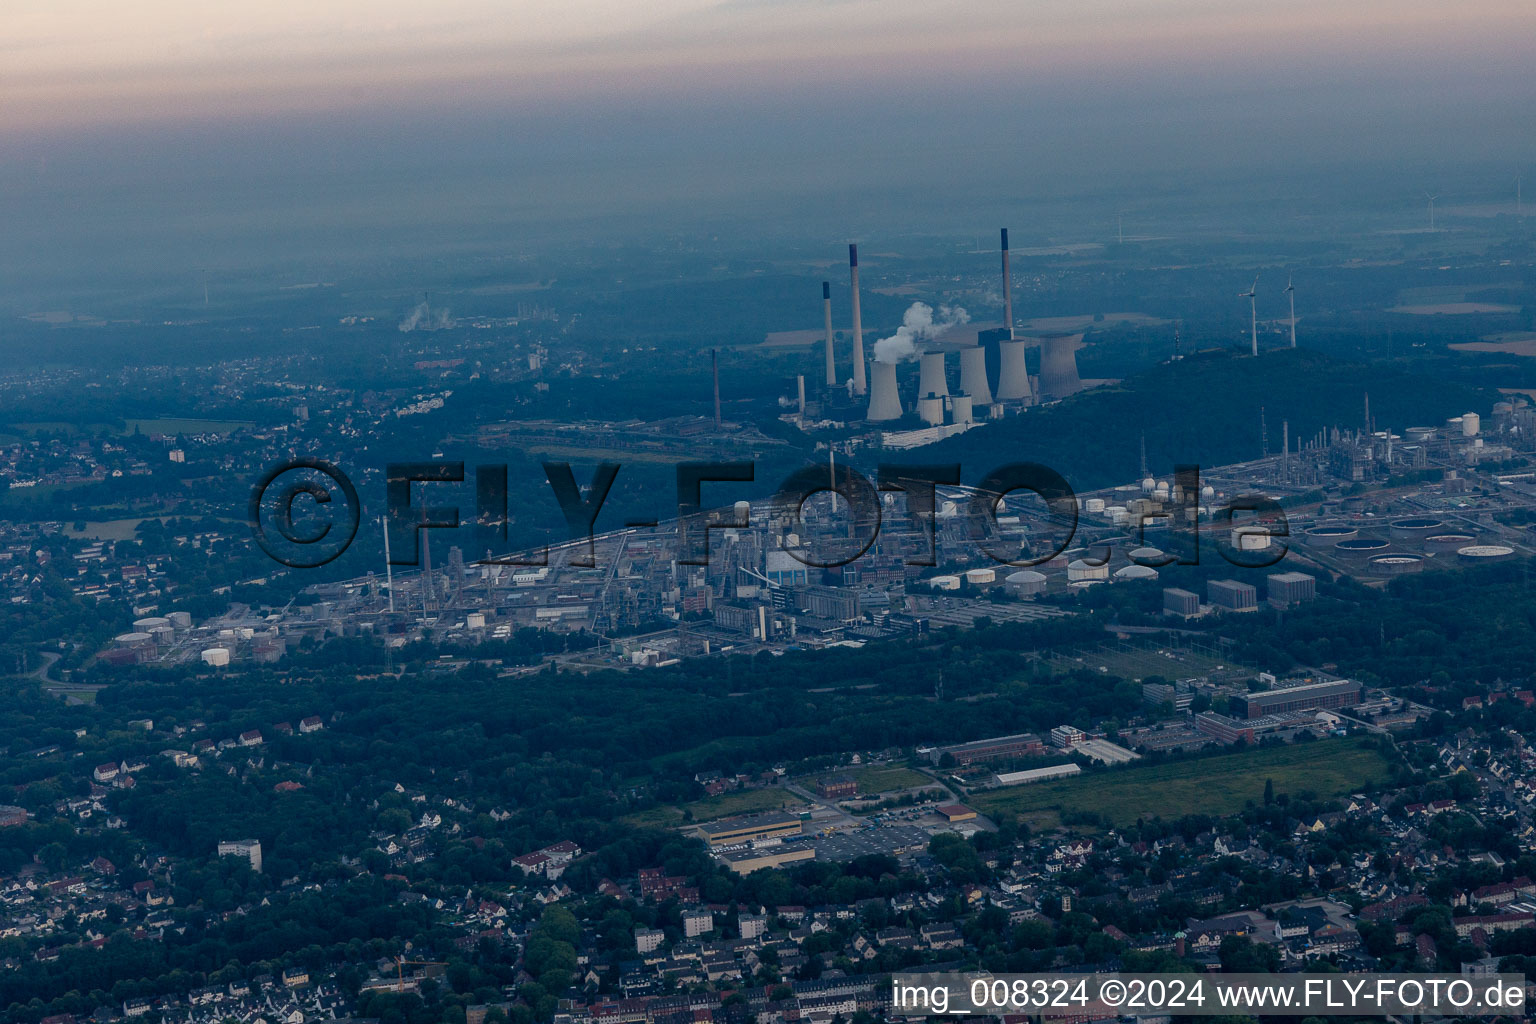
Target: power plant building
1290, 588
1180, 602
1232, 595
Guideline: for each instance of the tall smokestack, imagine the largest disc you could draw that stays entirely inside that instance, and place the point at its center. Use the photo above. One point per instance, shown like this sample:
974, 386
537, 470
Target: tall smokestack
800, 393
1007, 289
930, 376
826, 302
884, 401
973, 375
859, 386
1058, 365
714, 369
1013, 374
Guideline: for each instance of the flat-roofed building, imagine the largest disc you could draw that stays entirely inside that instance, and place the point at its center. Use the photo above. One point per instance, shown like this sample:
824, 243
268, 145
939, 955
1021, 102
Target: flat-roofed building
1180, 602
1289, 588
1232, 595
749, 828
744, 862
1223, 729
1338, 693
998, 748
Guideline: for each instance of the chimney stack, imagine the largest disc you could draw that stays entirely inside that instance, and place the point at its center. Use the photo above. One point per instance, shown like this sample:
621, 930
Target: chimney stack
714, 369
884, 401
973, 375
826, 302
800, 393
859, 386
1007, 289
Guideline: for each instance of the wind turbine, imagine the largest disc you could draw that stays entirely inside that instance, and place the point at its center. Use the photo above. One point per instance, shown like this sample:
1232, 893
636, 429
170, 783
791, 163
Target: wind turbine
1290, 291
1431, 209
1253, 311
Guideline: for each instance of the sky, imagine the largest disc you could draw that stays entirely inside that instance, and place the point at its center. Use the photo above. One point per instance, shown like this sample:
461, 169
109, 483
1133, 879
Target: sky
169, 135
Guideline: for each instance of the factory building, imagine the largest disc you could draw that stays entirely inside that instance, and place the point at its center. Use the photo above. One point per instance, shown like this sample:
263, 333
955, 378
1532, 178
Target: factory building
744, 862
998, 748
1232, 595
1339, 693
1067, 736
1290, 588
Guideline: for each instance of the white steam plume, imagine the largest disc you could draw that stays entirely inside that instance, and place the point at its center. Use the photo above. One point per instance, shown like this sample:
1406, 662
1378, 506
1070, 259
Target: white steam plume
917, 325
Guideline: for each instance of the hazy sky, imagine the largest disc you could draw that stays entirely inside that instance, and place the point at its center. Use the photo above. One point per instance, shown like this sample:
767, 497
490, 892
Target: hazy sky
69, 62
139, 142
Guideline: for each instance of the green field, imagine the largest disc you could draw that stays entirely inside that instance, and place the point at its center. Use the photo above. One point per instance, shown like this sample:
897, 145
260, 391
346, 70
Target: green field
1136, 661
874, 779
177, 425
1211, 785
746, 801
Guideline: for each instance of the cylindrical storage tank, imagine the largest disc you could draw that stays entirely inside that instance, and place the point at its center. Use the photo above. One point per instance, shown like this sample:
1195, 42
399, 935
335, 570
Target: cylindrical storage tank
1471, 423
1094, 506
475, 620
1081, 585
135, 639
743, 511
1361, 547
1250, 538
163, 634
1453, 426
930, 409
1078, 570
218, 657
144, 625
1396, 564
1420, 434
962, 410
1441, 543
945, 583
930, 376
1416, 529
884, 400
1482, 554
1025, 583
1136, 572
973, 375
1328, 536
1013, 372
1147, 556
181, 620
980, 577
1148, 485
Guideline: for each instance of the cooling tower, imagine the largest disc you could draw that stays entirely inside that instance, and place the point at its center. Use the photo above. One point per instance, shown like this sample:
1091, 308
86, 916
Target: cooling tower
1058, 365
1007, 289
930, 376
1013, 375
826, 302
930, 408
961, 409
858, 323
973, 375
884, 402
